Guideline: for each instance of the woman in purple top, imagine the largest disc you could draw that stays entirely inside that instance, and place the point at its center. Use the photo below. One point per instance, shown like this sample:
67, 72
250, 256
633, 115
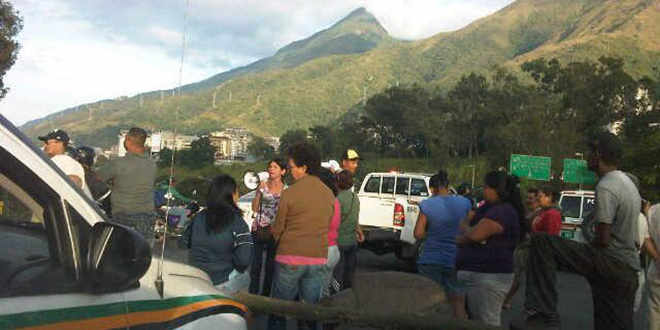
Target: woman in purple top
488, 237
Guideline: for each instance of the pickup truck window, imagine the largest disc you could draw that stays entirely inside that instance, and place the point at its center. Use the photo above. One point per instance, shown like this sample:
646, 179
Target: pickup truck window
388, 185
418, 188
373, 185
402, 185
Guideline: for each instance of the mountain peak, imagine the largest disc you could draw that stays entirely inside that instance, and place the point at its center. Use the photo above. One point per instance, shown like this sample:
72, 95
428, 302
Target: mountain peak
361, 17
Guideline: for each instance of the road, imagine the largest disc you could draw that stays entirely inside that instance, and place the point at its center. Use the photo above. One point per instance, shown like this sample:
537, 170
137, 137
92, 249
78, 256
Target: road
575, 305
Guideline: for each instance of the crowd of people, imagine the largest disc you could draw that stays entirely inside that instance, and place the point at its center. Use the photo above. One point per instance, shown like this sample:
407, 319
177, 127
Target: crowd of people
303, 241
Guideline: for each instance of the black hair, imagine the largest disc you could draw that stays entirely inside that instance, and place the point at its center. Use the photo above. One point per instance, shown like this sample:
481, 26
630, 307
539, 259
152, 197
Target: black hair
508, 190
279, 161
550, 191
306, 154
221, 208
137, 135
608, 147
328, 179
344, 180
464, 188
532, 191
439, 180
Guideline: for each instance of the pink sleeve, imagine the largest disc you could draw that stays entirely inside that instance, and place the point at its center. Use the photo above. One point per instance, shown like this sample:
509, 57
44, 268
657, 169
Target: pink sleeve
334, 225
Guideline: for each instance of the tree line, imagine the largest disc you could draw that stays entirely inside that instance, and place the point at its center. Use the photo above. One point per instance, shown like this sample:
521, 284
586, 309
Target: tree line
551, 109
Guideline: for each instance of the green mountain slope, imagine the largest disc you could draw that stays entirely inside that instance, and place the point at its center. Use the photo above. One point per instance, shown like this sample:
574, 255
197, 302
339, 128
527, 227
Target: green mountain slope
307, 83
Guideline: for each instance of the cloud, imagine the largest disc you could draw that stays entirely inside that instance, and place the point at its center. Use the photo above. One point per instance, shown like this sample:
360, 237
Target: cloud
82, 51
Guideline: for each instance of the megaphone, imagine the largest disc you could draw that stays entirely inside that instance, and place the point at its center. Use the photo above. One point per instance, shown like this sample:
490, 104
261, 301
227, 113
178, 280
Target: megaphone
252, 179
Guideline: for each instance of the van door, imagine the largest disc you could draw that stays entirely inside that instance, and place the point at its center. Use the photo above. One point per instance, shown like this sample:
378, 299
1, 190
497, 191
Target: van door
42, 267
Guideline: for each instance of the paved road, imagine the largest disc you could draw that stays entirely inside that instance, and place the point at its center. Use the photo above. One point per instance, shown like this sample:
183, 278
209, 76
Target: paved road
575, 305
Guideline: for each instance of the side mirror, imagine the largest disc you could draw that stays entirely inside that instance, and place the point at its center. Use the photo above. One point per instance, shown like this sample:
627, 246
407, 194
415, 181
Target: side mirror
117, 257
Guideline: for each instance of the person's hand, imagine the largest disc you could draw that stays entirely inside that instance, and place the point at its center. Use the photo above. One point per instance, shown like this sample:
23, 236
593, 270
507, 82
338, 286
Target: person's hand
262, 186
359, 235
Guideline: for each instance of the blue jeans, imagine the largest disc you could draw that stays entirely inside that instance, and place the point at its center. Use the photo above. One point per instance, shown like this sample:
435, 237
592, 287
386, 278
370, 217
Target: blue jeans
443, 275
293, 280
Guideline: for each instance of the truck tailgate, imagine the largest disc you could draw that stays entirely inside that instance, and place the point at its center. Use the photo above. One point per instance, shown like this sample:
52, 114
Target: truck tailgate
376, 211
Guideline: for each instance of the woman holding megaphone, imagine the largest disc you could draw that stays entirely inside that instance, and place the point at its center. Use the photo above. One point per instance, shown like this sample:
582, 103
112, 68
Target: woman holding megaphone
264, 206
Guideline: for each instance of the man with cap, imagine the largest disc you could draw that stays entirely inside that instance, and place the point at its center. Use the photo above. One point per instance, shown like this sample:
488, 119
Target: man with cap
55, 144
132, 178
350, 161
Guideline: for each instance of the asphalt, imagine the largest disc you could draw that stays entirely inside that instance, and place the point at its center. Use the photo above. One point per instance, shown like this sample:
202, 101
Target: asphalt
575, 305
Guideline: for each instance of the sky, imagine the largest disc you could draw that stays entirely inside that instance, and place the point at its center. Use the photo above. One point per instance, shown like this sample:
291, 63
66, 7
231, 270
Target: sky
77, 52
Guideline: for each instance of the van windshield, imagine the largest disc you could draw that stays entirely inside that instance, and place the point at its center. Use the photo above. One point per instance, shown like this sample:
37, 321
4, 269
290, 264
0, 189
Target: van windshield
570, 206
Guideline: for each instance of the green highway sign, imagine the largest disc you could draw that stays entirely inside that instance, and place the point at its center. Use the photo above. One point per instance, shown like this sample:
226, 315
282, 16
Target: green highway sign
576, 171
533, 167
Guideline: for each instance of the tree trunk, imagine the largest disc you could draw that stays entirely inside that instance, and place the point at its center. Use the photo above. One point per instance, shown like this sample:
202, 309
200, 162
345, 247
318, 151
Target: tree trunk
355, 316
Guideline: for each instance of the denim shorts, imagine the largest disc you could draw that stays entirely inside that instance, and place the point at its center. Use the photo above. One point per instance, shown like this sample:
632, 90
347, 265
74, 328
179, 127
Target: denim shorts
443, 275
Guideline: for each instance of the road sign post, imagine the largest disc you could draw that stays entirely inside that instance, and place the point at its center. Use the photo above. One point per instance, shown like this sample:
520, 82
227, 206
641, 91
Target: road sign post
533, 167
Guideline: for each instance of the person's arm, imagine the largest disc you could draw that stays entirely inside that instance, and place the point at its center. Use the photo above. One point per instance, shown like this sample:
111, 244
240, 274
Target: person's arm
603, 235
257, 197
106, 172
605, 213
481, 232
277, 229
649, 247
420, 226
358, 229
464, 226
243, 246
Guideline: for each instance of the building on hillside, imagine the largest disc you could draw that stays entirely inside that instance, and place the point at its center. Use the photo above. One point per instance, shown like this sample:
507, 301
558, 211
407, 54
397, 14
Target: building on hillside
273, 141
231, 144
158, 141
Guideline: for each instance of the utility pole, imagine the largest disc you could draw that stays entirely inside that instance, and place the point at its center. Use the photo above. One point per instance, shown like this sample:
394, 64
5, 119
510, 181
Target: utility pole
229, 96
581, 155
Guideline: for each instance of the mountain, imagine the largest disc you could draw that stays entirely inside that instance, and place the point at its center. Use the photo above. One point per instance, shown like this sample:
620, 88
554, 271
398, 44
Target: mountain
316, 80
358, 32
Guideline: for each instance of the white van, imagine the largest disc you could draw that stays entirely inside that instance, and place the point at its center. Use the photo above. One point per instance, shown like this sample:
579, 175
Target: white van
575, 207
63, 265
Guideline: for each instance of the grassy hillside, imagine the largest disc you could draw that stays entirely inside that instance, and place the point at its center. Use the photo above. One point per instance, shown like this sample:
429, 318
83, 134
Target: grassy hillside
318, 91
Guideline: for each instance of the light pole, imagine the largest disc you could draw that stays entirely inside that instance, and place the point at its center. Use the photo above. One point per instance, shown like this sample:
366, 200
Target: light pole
473, 173
581, 155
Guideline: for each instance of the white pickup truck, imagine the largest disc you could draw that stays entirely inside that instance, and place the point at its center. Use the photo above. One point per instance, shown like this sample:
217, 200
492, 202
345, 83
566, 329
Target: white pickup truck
389, 206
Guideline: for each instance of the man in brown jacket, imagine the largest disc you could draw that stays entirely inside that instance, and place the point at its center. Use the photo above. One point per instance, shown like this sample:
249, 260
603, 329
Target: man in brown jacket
301, 231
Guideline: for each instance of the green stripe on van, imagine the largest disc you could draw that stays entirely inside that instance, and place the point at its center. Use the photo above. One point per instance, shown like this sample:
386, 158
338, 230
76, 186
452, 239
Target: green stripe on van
41, 317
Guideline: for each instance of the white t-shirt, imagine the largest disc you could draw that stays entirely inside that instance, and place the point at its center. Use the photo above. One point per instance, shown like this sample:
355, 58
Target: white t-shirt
70, 166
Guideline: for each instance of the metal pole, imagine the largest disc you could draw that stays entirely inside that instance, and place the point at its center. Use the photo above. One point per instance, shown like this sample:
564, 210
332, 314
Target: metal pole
473, 172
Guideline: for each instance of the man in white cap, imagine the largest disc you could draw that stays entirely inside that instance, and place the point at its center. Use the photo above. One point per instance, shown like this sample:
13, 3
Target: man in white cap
55, 143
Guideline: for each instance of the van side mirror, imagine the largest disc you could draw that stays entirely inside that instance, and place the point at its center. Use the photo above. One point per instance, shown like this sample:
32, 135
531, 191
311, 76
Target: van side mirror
117, 257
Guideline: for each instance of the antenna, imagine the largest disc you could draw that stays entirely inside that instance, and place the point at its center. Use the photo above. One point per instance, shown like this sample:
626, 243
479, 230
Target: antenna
159, 283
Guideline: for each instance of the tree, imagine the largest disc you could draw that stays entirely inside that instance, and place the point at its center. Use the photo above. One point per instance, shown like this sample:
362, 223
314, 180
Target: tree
260, 149
291, 137
323, 137
10, 25
200, 154
164, 157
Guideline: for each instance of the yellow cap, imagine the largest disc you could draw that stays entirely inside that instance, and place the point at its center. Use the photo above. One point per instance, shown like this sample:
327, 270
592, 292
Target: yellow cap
352, 154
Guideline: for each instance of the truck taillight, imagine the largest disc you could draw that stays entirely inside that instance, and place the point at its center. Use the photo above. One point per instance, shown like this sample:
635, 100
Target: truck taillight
399, 218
